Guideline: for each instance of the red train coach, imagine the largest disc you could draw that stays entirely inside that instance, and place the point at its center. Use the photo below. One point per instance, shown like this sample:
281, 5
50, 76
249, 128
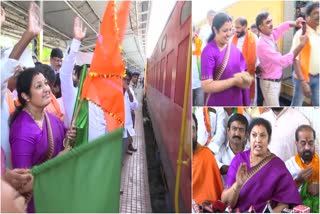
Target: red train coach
165, 93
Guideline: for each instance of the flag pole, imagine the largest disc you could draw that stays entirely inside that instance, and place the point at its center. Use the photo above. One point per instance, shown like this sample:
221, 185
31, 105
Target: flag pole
75, 116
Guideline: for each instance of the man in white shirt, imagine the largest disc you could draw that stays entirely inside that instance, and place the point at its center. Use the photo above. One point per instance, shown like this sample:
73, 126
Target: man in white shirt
97, 123
237, 135
205, 30
130, 103
284, 122
16, 177
9, 62
304, 167
197, 91
218, 123
56, 59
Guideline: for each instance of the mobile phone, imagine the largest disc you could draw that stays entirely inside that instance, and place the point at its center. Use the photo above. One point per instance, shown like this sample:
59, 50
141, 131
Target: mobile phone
304, 28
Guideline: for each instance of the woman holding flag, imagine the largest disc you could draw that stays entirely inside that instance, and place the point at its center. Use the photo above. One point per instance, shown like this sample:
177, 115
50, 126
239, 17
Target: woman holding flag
35, 136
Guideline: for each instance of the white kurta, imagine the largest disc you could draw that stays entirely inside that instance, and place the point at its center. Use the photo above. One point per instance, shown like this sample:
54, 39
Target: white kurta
7, 67
97, 123
218, 122
284, 127
128, 106
293, 168
204, 34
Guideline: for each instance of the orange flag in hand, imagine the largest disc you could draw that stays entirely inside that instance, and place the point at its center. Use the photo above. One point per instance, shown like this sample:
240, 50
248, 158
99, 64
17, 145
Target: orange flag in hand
103, 85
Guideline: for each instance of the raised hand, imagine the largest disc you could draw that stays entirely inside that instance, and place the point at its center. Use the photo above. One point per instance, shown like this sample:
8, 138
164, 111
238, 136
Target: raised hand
78, 31
35, 22
304, 175
241, 175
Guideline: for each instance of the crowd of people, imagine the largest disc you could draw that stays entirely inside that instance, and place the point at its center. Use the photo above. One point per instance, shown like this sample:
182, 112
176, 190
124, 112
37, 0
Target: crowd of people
267, 157
234, 65
37, 108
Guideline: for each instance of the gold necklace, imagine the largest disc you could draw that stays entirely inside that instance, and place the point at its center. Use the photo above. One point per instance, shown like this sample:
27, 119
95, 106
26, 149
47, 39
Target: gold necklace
38, 122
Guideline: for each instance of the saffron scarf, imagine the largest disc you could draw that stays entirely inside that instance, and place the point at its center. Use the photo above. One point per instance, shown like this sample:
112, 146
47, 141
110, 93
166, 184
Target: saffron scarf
207, 124
249, 54
314, 165
304, 59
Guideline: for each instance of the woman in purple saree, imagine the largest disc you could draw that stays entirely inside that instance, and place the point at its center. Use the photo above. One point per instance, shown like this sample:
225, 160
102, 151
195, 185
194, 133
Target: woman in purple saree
220, 63
35, 136
256, 176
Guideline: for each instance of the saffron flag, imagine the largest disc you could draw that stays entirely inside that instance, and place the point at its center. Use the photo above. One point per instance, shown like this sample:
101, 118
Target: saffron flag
86, 179
81, 113
103, 85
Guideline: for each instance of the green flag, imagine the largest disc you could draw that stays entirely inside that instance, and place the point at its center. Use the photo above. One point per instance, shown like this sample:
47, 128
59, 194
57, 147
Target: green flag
86, 179
82, 120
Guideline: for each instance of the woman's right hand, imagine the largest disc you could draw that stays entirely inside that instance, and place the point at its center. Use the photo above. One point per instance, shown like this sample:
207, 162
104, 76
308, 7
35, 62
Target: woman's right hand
242, 80
241, 175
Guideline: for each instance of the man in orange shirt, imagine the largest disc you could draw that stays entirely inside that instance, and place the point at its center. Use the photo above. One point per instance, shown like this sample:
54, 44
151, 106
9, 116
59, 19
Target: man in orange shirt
206, 178
306, 64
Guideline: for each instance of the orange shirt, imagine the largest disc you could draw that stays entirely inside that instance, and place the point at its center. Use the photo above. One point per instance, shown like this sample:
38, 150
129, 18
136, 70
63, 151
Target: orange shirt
206, 177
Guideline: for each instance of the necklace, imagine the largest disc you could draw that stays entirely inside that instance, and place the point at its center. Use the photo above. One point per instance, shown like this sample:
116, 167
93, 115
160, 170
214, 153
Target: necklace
39, 122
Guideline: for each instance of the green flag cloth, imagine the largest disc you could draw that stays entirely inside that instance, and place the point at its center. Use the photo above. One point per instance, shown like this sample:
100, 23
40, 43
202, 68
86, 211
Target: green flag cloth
86, 179
309, 200
82, 121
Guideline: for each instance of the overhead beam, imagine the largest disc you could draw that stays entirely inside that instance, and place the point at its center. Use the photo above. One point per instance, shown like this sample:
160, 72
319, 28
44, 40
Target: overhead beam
75, 10
18, 9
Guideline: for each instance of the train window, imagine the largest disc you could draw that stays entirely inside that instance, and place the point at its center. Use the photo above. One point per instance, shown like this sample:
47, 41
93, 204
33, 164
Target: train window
170, 69
181, 71
164, 43
185, 12
162, 73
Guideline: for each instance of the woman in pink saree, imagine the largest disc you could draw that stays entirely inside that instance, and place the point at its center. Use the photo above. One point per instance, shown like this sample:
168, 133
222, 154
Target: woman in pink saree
35, 136
256, 176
